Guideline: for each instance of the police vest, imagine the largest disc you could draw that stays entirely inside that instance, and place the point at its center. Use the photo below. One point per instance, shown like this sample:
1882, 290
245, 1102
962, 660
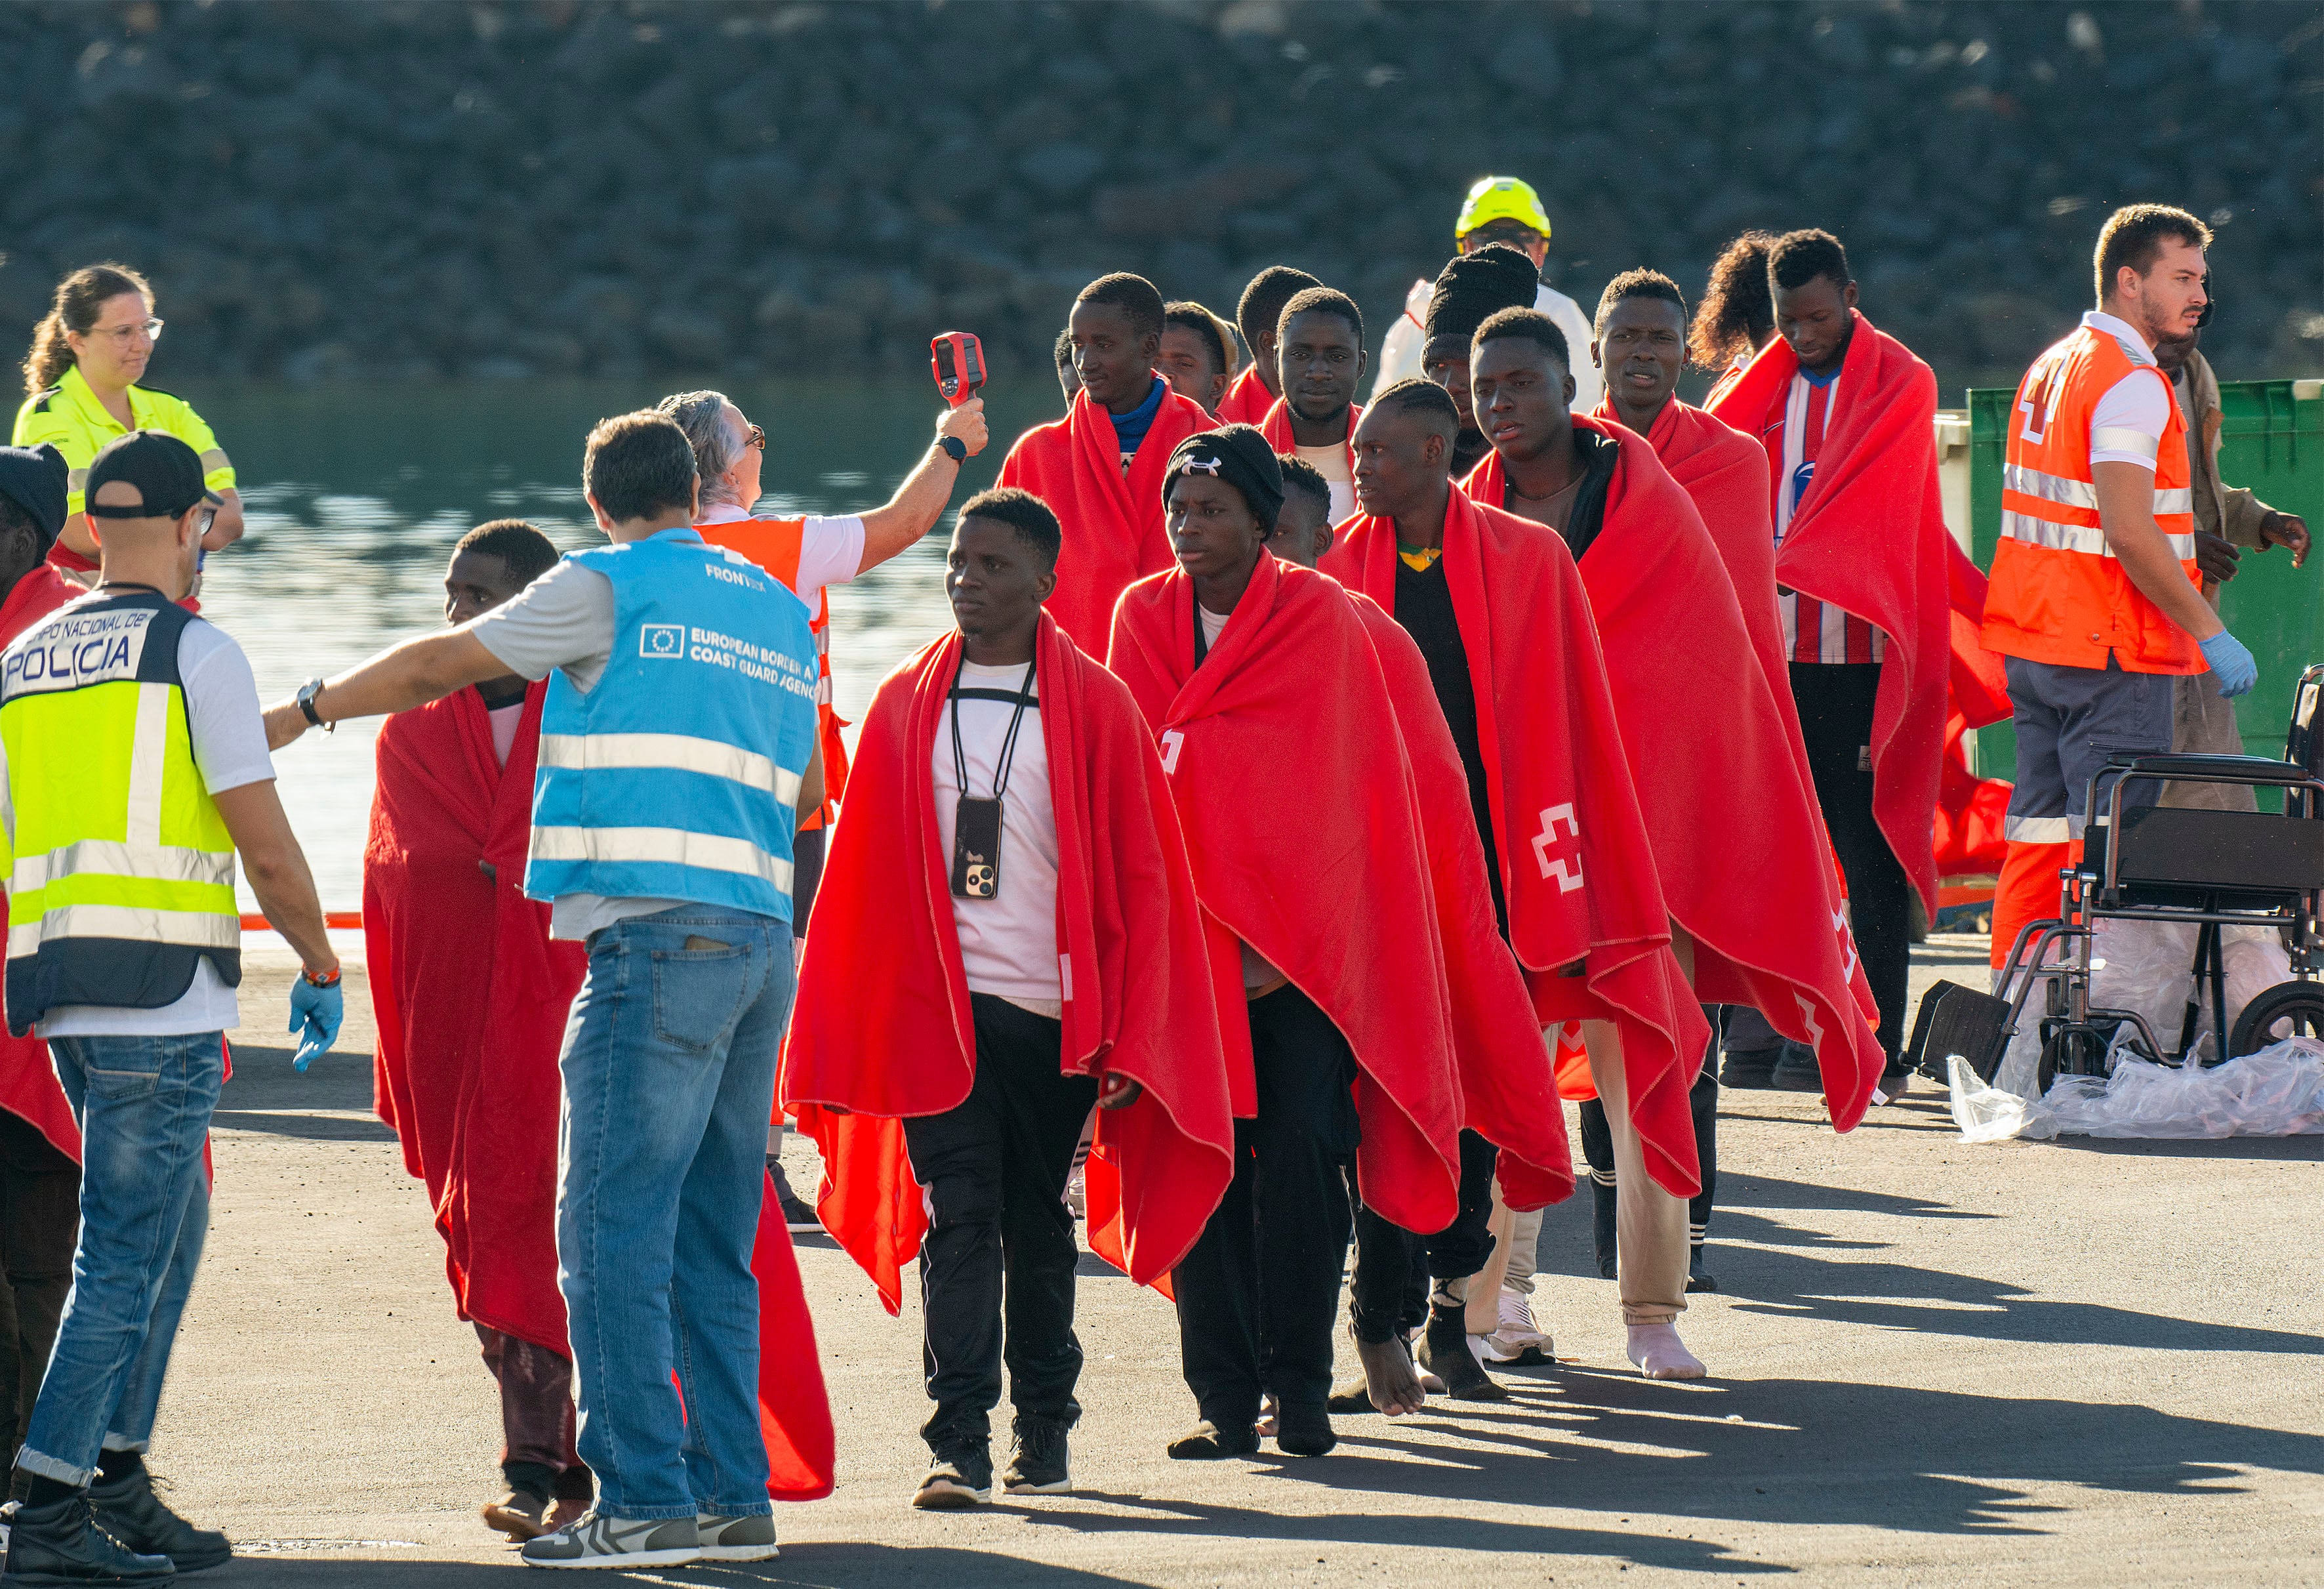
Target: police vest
676, 777
2057, 594
120, 868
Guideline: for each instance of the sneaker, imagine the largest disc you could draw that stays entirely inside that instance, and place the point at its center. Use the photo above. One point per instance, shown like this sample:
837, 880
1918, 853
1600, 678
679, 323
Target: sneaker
127, 1508
597, 1540
799, 1217
60, 1544
1516, 1338
748, 1537
1038, 1465
1754, 1069
960, 1477
519, 1514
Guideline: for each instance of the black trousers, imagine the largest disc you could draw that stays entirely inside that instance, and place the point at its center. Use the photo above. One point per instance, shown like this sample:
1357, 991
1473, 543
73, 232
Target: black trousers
1389, 1290
1703, 1103
1000, 1235
1835, 701
1258, 1293
40, 1220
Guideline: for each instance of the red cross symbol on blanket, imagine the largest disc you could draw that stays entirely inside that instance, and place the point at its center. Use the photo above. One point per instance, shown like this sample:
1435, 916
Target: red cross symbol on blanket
1566, 870
1846, 941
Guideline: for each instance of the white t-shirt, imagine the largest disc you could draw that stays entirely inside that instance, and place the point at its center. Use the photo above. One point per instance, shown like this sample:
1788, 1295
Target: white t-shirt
1399, 355
1257, 972
1008, 943
229, 739
2126, 425
1331, 461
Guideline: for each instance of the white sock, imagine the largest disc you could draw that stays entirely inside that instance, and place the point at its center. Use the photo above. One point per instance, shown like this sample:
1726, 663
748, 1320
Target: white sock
1660, 1354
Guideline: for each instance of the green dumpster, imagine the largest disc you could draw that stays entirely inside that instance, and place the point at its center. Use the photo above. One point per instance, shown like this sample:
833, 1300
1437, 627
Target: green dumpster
2272, 441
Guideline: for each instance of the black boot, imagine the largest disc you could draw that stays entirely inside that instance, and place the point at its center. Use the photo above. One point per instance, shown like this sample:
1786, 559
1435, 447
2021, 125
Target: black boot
127, 1508
1444, 1352
60, 1544
1602, 1227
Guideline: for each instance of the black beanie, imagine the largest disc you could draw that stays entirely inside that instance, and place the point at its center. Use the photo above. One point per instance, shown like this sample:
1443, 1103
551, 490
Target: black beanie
34, 478
1239, 456
1475, 287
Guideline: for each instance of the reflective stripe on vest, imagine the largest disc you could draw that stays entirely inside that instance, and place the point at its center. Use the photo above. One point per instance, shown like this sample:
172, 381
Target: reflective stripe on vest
676, 775
120, 870
2057, 594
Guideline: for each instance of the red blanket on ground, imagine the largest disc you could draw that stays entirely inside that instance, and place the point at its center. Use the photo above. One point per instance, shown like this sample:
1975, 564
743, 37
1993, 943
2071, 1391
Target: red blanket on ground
471, 995
28, 1078
1114, 526
1277, 427
882, 1028
1247, 401
1869, 536
1712, 763
1292, 700
1576, 868
1507, 1094
1971, 811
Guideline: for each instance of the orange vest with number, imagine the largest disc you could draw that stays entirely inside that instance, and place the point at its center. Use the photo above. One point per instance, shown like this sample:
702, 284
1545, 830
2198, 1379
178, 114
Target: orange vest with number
2057, 594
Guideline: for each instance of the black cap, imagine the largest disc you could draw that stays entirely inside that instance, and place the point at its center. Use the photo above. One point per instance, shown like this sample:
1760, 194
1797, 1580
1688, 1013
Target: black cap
1239, 456
34, 478
166, 472
1475, 286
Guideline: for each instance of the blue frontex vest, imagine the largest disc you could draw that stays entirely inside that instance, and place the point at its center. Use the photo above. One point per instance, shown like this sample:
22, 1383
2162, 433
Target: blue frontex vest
676, 777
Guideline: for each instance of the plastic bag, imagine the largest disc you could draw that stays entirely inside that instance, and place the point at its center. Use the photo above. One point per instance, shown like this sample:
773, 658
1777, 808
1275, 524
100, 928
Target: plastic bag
2277, 1092
2146, 966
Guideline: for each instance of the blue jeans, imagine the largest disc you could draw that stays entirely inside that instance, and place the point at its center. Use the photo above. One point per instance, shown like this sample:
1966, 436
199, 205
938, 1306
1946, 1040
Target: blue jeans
144, 1106
669, 1079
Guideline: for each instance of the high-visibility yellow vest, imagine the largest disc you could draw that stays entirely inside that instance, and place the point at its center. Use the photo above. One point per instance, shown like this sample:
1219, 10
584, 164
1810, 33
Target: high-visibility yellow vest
69, 418
120, 870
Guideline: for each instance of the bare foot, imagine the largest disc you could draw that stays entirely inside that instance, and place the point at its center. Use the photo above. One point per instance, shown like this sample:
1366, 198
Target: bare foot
1660, 1354
1388, 1376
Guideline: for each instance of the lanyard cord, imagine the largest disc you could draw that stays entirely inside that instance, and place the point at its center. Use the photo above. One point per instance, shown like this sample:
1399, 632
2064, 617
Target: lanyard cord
1009, 741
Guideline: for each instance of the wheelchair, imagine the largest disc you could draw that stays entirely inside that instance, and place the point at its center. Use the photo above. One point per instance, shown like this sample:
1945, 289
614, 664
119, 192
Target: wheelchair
2207, 869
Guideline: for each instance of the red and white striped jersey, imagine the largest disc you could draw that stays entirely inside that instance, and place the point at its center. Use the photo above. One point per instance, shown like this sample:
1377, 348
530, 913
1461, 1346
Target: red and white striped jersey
1813, 631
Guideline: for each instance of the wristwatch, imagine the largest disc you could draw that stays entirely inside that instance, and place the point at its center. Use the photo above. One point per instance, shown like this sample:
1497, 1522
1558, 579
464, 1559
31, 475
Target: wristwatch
954, 447
306, 694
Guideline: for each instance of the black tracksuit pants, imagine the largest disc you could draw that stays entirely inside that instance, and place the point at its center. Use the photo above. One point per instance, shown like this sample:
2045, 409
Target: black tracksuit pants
1000, 1234
1389, 1291
1258, 1293
1835, 702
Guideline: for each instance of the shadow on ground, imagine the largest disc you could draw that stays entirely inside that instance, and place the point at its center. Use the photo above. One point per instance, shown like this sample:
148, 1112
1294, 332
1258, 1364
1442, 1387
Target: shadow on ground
828, 1566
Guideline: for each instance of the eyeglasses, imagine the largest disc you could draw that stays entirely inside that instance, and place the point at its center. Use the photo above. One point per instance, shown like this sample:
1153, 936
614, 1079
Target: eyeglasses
756, 438
121, 334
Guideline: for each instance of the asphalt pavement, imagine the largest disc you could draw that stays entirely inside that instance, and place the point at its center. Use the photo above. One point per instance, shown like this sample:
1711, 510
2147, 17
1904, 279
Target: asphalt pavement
2078, 1362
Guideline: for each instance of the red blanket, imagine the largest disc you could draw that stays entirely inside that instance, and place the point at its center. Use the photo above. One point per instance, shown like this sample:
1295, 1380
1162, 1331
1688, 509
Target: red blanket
1507, 1094
1337, 899
1869, 536
28, 1079
1247, 401
1971, 811
1277, 427
471, 995
1767, 927
882, 1028
1114, 526
1576, 869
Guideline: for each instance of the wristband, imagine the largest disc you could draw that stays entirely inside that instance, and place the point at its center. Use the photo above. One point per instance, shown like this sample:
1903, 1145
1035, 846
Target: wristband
329, 979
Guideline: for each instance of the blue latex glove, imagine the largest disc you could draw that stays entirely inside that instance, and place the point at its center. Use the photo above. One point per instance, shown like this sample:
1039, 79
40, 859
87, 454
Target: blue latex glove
2231, 660
315, 1015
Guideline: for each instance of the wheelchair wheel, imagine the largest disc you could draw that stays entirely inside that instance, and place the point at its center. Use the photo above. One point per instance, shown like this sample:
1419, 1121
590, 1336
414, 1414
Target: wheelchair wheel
2287, 1010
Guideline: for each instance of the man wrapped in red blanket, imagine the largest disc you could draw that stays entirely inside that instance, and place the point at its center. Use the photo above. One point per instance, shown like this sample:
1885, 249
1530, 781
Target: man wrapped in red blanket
1100, 467
1007, 937
1497, 609
1249, 672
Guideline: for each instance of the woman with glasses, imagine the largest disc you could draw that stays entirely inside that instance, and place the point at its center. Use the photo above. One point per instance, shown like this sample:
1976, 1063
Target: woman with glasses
81, 379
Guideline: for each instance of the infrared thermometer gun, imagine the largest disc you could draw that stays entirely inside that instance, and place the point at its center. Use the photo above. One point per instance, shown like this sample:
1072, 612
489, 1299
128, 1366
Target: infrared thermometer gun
957, 360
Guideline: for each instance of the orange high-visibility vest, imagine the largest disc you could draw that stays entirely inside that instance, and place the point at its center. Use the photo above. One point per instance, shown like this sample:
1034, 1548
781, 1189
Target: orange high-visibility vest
775, 545
2057, 594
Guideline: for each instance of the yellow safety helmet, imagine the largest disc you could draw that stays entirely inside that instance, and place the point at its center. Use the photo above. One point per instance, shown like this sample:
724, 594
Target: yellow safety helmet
1500, 198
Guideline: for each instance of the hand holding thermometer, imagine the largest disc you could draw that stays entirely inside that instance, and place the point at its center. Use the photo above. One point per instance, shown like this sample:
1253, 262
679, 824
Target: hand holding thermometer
957, 360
